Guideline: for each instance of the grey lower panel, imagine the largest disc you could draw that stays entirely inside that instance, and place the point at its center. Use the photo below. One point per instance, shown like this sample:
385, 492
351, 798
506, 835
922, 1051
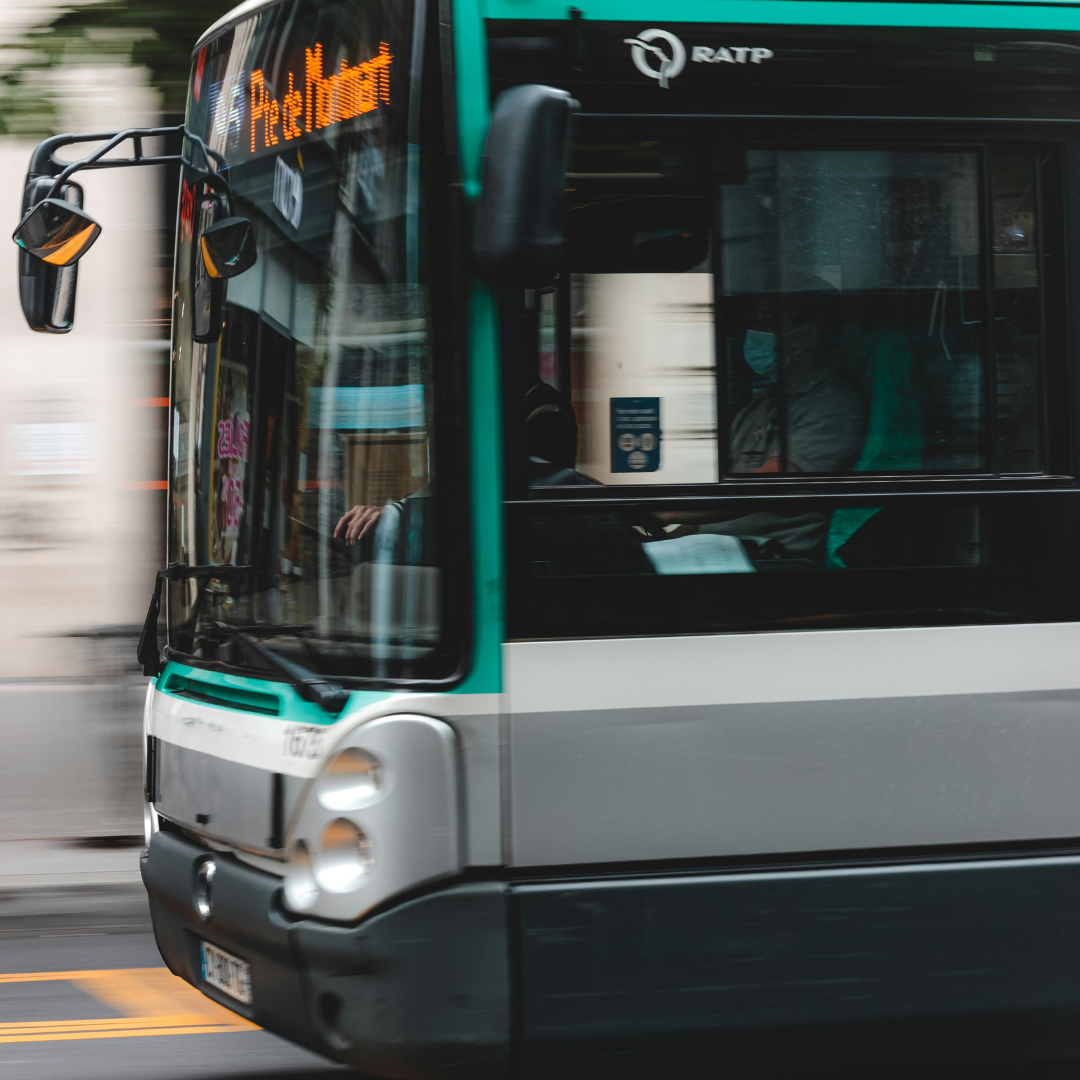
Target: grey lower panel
711, 781
478, 742
237, 799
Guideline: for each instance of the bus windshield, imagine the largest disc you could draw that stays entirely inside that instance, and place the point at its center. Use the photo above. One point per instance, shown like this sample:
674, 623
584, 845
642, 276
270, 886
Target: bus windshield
302, 401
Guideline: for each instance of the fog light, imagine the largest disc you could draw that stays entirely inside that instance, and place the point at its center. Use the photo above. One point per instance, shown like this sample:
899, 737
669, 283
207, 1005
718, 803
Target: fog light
343, 858
204, 886
351, 780
301, 892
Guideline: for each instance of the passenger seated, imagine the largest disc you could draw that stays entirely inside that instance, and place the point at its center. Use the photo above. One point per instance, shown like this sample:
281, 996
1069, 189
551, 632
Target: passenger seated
806, 418
821, 413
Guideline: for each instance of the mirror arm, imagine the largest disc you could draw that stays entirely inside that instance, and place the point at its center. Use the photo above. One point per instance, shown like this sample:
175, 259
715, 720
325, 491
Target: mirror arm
44, 163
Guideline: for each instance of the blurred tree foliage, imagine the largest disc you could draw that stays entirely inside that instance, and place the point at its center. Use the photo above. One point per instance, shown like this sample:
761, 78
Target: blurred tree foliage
156, 33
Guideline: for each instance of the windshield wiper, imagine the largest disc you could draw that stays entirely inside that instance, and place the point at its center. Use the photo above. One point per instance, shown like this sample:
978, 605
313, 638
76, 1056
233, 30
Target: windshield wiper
147, 652
330, 696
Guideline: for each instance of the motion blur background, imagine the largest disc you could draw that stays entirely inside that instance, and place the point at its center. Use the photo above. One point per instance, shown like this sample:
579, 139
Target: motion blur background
83, 419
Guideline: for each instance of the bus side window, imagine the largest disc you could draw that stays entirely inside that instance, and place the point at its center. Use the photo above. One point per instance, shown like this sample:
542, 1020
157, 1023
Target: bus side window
733, 319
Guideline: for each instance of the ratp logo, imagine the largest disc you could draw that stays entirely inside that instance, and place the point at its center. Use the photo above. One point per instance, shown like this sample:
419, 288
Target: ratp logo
667, 58
666, 63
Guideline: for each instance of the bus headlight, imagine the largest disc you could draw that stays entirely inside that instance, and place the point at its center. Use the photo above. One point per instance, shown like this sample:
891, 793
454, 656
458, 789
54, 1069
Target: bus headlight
389, 784
301, 892
353, 779
343, 857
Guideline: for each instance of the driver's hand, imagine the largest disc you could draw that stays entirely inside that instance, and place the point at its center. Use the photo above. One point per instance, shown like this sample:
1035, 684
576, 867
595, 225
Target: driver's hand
356, 523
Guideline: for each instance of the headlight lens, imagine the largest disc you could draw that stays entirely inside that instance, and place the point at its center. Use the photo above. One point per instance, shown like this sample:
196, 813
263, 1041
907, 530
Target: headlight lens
352, 779
343, 857
301, 892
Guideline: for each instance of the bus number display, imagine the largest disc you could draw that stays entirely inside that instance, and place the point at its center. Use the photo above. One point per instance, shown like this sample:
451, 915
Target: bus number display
304, 741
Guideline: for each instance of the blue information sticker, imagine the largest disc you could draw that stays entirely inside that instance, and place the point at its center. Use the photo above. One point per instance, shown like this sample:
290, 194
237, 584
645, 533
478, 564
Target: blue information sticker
635, 434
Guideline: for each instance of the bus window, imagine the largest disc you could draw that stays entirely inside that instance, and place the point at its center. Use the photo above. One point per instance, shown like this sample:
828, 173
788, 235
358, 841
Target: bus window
307, 473
844, 292
853, 313
1014, 178
641, 314
740, 320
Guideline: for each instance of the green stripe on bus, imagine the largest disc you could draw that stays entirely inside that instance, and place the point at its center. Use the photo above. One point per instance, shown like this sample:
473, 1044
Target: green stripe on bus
485, 384
294, 709
1012, 16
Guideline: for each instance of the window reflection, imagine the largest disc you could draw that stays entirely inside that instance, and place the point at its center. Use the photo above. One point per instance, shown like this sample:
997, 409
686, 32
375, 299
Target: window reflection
309, 419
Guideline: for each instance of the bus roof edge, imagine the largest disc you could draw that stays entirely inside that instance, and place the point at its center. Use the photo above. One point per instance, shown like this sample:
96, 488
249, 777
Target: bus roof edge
230, 18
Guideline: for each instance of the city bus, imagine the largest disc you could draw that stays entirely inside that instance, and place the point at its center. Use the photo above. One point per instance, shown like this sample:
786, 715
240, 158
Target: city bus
621, 595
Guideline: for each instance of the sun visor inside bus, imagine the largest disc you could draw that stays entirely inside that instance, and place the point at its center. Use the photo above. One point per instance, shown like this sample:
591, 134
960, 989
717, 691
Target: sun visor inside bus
519, 232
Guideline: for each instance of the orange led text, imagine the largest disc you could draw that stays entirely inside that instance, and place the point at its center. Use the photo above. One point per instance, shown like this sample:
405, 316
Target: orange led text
324, 100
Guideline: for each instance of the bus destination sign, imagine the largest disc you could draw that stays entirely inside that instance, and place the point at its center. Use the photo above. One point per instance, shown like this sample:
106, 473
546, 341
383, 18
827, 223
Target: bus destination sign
250, 111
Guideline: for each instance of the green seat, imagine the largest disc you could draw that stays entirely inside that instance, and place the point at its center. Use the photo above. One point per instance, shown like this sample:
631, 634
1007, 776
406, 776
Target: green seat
894, 436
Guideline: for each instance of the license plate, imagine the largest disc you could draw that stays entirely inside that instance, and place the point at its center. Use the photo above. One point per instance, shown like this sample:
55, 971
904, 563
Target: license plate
228, 973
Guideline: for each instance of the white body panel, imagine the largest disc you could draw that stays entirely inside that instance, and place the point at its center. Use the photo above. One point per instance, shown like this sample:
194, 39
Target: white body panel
829, 665
679, 748
262, 742
232, 755
732, 745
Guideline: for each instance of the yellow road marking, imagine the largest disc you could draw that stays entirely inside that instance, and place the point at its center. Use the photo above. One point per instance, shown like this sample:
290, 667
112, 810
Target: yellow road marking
116, 1034
153, 1001
29, 1027
60, 976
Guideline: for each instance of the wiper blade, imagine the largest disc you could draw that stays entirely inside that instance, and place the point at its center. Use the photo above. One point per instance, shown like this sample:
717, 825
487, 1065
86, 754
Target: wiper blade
330, 696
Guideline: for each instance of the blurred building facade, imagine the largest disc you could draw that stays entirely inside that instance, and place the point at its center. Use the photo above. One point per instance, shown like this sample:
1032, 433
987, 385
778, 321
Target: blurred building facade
82, 466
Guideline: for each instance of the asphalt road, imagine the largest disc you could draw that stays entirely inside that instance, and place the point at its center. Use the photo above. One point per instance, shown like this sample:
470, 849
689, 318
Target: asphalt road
83, 993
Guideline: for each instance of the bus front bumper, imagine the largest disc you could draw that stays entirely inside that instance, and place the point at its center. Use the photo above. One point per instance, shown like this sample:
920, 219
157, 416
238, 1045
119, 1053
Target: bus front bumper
419, 990
775, 973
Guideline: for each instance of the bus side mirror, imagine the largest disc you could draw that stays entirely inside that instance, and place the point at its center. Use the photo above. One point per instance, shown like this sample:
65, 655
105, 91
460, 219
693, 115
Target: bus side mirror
228, 247
207, 290
56, 232
519, 232
52, 235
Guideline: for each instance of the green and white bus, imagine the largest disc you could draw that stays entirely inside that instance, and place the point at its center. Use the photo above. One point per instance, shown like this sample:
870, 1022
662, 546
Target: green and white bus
621, 584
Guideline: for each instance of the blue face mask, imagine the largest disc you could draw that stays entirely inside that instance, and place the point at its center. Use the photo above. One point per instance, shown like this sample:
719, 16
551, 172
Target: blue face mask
759, 351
